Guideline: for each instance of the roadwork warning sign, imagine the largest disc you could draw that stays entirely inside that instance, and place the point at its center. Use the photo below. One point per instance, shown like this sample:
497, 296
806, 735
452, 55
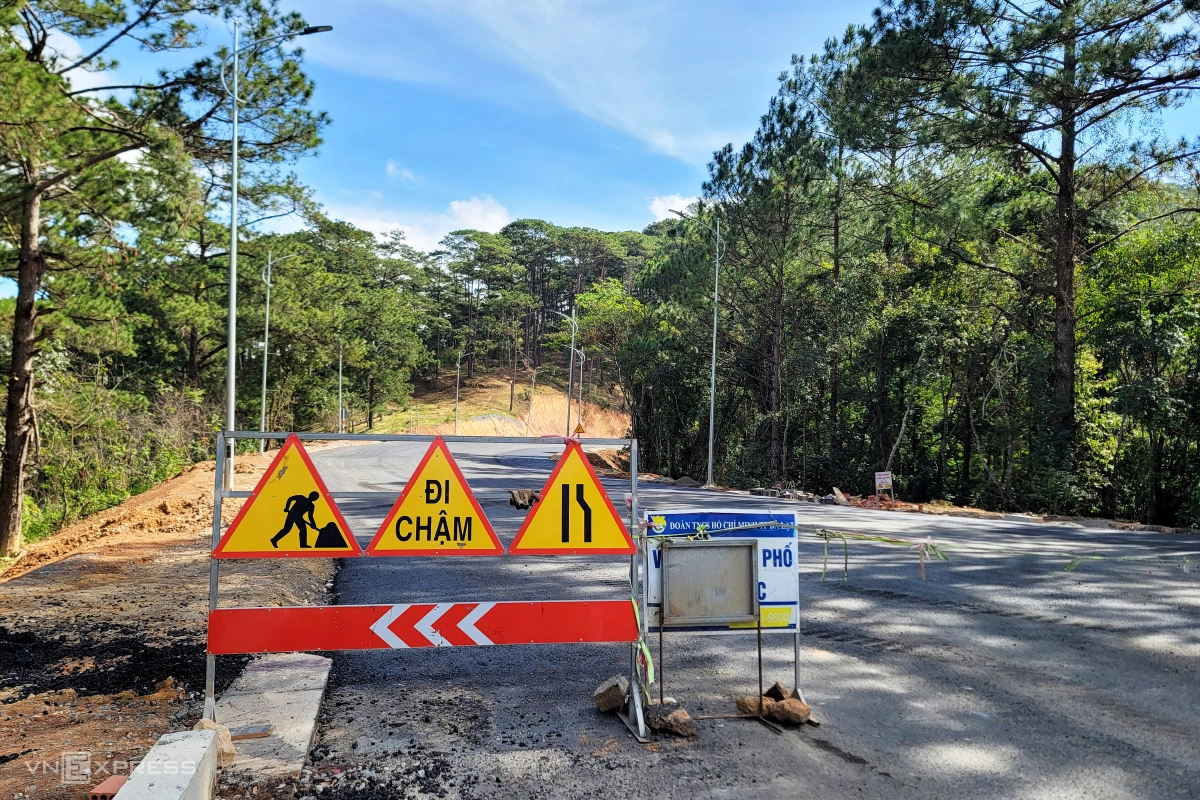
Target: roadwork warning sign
289, 515
436, 514
575, 514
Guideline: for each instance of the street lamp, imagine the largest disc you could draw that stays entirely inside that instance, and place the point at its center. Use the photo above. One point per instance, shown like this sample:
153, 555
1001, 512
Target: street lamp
457, 375
231, 334
262, 407
571, 371
579, 405
718, 249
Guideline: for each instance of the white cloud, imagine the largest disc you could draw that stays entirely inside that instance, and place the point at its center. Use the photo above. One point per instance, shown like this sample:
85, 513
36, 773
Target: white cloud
422, 229
642, 68
394, 170
661, 207
68, 51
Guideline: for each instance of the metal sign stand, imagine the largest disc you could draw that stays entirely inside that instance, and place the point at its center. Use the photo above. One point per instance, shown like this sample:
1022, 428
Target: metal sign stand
798, 693
632, 717
631, 711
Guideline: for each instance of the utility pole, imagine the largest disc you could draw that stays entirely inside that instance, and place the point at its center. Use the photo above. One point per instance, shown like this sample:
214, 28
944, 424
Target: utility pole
340, 416
262, 404
231, 323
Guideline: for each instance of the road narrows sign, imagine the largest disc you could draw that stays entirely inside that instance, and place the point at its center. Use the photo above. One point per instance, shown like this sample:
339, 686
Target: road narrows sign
289, 514
436, 514
574, 515
415, 625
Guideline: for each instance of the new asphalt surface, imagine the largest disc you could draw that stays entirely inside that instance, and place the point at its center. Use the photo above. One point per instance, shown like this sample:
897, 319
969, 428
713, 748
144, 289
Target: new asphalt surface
1002, 675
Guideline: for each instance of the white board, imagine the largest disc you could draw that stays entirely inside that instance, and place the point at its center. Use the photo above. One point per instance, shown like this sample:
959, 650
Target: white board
778, 573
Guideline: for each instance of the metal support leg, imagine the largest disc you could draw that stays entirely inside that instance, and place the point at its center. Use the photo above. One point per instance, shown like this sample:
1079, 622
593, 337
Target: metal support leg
214, 577
797, 691
631, 712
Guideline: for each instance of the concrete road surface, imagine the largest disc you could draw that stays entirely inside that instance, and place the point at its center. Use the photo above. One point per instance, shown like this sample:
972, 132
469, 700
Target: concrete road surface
1000, 676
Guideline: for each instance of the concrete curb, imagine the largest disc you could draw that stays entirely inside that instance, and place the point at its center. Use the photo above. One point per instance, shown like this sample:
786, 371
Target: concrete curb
284, 690
180, 766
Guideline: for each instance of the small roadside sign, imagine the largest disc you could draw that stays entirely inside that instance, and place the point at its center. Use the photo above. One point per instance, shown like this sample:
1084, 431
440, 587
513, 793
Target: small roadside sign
289, 514
579, 428
883, 480
778, 579
575, 514
436, 514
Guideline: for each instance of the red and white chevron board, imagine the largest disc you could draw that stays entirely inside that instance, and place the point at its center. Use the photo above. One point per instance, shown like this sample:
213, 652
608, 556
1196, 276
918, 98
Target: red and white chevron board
286, 630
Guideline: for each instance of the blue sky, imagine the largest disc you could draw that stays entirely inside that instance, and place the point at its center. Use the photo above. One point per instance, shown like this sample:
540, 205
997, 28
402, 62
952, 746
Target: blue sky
471, 113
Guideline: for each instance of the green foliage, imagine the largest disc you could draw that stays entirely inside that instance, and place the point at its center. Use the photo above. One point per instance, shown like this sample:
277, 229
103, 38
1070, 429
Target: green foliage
100, 446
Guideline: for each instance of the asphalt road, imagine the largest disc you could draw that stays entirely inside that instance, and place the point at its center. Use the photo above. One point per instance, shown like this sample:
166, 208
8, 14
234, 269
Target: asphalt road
1000, 676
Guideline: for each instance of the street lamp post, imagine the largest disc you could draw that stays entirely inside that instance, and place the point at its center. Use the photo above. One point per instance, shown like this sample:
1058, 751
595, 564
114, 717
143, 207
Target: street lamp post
457, 376
571, 370
718, 248
231, 325
262, 407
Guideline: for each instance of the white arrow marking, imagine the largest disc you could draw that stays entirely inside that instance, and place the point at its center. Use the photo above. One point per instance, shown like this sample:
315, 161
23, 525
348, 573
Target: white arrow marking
425, 626
467, 626
381, 629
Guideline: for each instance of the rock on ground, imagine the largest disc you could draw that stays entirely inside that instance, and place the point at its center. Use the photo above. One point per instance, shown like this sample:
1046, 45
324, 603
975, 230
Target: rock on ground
671, 719
789, 711
611, 694
778, 692
750, 705
523, 498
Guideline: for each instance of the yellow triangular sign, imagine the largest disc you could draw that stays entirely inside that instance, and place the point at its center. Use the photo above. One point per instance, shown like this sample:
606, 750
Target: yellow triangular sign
289, 514
574, 515
579, 428
436, 514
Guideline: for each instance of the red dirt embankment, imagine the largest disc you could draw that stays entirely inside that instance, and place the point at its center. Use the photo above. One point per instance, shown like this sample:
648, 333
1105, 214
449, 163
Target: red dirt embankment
103, 626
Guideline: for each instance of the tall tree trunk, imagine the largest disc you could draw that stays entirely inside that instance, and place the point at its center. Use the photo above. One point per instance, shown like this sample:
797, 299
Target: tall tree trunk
776, 380
193, 368
512, 384
1064, 270
370, 402
834, 438
20, 423
880, 397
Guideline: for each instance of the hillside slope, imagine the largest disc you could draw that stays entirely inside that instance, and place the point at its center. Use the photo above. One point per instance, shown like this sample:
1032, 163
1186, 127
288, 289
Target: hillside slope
484, 410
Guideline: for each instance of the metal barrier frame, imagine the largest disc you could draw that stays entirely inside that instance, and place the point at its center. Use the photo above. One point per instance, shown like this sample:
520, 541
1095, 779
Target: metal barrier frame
631, 714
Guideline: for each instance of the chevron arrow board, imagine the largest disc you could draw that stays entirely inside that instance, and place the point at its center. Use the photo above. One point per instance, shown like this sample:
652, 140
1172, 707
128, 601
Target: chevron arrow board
410, 625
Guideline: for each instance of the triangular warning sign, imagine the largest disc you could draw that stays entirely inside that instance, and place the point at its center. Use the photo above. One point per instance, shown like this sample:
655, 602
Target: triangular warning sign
436, 514
289, 515
574, 515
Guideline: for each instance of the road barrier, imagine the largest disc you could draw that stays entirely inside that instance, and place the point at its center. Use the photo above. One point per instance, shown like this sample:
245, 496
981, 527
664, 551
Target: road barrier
292, 514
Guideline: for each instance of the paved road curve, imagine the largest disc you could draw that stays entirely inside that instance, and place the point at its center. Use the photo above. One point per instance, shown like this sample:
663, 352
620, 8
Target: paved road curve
1001, 676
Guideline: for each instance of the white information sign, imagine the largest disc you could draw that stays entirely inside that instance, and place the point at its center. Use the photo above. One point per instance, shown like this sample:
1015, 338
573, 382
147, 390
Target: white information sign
883, 480
778, 572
